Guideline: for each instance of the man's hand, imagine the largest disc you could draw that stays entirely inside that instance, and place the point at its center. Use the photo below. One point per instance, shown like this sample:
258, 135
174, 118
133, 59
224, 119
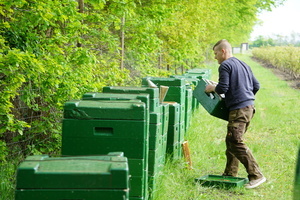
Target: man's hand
210, 88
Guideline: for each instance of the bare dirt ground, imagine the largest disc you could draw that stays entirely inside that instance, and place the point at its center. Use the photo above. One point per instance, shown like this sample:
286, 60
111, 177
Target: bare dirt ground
283, 75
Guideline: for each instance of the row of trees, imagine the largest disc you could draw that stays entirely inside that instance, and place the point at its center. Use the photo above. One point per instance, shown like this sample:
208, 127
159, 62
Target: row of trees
53, 51
277, 40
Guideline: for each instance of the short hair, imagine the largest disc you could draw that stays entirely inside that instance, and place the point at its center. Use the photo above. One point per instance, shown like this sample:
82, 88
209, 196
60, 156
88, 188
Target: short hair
222, 44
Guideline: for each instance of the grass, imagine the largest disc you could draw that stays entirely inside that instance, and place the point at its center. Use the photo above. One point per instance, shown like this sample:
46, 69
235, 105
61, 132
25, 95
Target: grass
273, 137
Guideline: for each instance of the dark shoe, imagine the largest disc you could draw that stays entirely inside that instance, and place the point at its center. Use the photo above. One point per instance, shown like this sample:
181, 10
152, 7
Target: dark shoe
255, 183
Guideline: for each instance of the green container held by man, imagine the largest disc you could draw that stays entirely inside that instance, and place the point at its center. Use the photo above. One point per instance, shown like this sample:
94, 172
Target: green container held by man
81, 177
212, 102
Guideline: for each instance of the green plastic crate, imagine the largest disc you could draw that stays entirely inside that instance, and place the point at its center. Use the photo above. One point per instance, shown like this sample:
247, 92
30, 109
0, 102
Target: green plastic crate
221, 181
212, 102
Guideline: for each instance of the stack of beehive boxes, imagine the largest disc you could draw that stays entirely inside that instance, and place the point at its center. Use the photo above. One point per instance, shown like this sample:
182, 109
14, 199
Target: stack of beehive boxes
155, 147
176, 93
134, 120
97, 127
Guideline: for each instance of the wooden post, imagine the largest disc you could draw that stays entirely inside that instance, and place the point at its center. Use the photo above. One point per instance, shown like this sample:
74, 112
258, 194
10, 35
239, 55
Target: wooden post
81, 5
186, 153
122, 42
81, 10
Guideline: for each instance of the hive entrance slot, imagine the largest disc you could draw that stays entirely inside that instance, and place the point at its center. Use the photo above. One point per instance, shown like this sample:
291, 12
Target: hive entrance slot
107, 131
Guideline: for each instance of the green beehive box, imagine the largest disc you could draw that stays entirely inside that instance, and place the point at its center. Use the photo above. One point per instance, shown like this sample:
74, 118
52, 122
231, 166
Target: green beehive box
174, 112
138, 186
153, 187
173, 150
46, 172
177, 94
188, 120
94, 137
84, 109
155, 135
164, 81
155, 117
188, 107
204, 73
153, 162
165, 118
137, 198
137, 166
221, 181
116, 96
212, 102
181, 132
153, 94
182, 113
173, 134
164, 145
189, 79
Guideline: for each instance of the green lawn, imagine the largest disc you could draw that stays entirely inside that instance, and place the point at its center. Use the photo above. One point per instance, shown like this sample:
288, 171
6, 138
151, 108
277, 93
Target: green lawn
273, 136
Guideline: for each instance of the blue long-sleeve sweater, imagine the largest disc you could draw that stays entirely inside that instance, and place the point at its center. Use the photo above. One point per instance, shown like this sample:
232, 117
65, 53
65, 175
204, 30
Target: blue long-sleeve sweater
237, 82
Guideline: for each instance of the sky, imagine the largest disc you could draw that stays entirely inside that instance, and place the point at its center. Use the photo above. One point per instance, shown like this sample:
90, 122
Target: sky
282, 20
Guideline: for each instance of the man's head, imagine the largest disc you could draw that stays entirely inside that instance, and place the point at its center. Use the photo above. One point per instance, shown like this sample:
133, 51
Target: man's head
222, 50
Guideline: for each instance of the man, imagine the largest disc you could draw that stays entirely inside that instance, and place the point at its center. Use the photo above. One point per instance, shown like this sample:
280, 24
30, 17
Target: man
239, 85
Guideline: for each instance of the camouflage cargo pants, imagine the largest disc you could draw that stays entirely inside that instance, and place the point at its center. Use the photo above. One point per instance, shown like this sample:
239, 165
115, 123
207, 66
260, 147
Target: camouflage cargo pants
237, 151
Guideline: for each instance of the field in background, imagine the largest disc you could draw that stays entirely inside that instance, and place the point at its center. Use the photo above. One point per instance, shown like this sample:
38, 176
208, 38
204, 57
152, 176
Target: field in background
285, 58
273, 136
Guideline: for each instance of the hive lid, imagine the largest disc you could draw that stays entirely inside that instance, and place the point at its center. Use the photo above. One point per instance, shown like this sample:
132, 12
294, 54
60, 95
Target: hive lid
165, 81
93, 172
116, 97
153, 92
88, 109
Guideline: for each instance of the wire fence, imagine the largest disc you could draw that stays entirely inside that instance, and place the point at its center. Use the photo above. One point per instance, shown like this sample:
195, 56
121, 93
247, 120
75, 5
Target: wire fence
23, 144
